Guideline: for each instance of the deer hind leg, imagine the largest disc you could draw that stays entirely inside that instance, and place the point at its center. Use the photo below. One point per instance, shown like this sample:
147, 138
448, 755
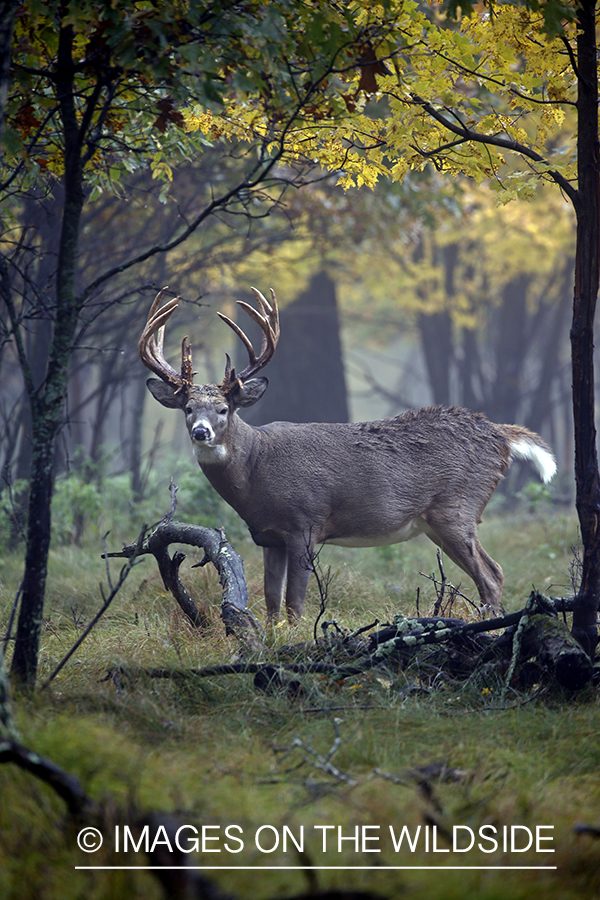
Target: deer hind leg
458, 539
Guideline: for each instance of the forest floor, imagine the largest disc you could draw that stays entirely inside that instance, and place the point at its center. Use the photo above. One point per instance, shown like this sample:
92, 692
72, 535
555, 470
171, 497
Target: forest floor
385, 782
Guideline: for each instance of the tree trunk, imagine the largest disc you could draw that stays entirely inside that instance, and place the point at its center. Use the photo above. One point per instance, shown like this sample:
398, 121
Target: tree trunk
510, 349
136, 415
435, 330
306, 375
47, 403
470, 372
587, 264
540, 406
8, 9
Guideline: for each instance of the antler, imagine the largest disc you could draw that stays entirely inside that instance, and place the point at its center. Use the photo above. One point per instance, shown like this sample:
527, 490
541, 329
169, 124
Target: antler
150, 346
267, 317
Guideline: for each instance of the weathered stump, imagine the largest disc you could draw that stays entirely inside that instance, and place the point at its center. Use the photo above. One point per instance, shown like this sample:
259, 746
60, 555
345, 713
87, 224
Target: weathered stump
557, 651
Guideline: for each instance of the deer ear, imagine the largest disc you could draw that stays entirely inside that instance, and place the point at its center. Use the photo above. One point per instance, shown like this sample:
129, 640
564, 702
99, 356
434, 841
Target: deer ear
251, 391
164, 393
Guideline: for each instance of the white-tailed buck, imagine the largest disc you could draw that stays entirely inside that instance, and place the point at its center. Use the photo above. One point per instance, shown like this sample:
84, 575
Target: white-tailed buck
363, 484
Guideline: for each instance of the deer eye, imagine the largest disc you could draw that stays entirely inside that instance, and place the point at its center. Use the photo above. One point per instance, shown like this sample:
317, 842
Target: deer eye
189, 410
223, 411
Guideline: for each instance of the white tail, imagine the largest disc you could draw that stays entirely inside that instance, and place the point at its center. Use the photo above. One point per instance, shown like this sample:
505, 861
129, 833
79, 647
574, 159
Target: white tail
428, 471
527, 446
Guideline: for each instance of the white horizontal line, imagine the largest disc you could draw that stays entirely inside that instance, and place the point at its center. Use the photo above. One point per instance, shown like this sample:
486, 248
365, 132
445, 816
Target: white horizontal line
303, 868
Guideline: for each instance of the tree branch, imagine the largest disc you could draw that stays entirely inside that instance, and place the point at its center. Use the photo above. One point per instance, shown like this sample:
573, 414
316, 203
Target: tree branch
238, 620
468, 134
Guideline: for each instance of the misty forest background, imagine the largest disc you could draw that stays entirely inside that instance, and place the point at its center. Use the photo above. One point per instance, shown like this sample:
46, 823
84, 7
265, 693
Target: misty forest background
404, 296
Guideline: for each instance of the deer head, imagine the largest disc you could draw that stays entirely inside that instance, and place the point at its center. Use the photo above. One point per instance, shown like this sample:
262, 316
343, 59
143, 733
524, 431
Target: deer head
209, 409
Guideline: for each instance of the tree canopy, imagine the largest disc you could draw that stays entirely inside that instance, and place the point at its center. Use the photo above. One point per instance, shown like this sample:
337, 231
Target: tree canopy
490, 96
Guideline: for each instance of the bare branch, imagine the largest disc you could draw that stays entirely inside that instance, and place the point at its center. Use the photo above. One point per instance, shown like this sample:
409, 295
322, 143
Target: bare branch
108, 600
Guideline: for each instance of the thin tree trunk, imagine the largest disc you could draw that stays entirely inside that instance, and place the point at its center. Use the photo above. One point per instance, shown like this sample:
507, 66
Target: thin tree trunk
139, 392
587, 267
8, 9
47, 402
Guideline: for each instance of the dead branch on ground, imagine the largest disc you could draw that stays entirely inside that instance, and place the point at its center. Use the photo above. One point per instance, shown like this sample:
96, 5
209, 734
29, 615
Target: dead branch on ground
238, 620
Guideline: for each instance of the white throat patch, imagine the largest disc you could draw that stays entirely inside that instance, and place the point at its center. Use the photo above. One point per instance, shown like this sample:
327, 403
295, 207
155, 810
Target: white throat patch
205, 454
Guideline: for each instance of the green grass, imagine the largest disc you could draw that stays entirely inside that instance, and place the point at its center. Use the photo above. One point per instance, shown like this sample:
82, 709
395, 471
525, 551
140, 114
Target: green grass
217, 752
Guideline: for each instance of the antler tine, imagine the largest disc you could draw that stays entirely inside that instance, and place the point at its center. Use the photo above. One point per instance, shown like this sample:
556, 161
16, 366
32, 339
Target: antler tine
150, 346
267, 317
243, 337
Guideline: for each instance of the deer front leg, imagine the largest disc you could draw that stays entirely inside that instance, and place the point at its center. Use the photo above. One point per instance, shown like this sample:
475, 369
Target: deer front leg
300, 553
276, 564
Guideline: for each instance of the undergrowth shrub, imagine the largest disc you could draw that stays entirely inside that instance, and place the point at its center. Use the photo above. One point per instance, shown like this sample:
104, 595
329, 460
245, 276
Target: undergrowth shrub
13, 503
76, 506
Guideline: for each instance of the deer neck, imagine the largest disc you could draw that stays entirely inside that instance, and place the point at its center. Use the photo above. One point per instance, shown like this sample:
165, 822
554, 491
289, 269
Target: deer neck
229, 465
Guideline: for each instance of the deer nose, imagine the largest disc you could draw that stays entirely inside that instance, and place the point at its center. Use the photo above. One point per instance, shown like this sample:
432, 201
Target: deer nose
201, 433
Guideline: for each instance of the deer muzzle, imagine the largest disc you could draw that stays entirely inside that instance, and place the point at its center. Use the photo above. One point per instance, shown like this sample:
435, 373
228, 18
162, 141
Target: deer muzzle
202, 433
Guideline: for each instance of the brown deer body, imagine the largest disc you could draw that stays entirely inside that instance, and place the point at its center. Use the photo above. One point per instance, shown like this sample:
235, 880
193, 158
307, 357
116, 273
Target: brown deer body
429, 471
